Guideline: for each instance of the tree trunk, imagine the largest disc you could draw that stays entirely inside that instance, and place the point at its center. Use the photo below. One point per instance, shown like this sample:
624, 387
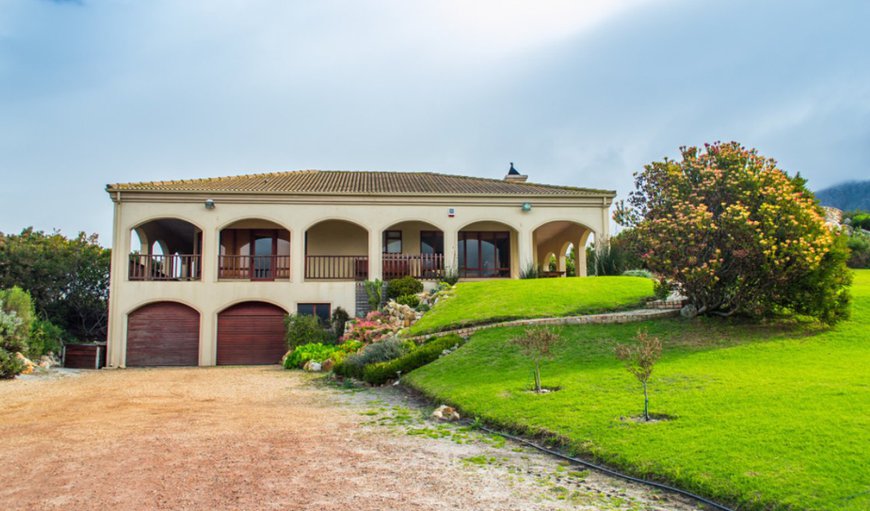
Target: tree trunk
645, 403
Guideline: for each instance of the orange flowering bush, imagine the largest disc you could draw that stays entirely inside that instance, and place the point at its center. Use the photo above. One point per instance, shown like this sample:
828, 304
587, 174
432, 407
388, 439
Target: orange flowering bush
736, 234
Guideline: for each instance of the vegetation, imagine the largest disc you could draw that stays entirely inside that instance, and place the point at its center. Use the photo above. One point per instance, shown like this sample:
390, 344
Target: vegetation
303, 329
537, 343
406, 285
381, 372
640, 360
476, 303
317, 352
338, 321
412, 301
764, 415
736, 234
530, 271
68, 279
615, 258
374, 291
381, 351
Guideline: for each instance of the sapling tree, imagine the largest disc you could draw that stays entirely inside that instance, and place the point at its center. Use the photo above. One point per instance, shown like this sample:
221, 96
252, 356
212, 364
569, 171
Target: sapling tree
537, 343
640, 360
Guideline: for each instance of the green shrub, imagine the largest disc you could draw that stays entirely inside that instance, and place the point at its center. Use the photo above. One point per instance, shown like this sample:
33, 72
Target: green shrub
374, 292
638, 273
662, 289
339, 318
411, 301
379, 373
859, 250
423, 307
45, 337
316, 351
382, 351
17, 301
304, 329
10, 365
450, 276
530, 271
407, 285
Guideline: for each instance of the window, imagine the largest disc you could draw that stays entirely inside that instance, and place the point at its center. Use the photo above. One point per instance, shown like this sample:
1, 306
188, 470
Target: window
392, 242
431, 242
321, 310
484, 254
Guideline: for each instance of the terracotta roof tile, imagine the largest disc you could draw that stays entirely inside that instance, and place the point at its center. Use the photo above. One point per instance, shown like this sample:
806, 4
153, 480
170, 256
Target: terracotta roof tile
358, 183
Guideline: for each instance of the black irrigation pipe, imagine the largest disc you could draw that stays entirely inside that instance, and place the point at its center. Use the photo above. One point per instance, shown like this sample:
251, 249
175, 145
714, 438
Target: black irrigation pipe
607, 470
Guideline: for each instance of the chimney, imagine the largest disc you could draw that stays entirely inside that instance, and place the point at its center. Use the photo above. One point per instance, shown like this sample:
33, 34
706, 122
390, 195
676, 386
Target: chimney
514, 176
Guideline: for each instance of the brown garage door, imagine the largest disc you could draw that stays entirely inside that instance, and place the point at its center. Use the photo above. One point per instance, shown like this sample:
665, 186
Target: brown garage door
251, 333
163, 334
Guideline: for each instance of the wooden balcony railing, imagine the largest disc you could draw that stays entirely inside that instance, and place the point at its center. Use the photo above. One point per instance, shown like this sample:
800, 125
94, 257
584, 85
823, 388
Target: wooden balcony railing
419, 266
327, 267
257, 267
165, 267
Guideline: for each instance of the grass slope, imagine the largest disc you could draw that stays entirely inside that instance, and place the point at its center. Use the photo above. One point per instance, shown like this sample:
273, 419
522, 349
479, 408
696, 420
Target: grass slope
767, 417
492, 301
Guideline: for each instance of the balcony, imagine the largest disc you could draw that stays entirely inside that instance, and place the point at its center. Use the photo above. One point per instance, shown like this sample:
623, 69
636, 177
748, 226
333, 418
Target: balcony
336, 267
419, 266
165, 267
256, 267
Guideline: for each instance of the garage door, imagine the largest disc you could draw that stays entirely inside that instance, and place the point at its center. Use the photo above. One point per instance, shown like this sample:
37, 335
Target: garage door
163, 334
251, 333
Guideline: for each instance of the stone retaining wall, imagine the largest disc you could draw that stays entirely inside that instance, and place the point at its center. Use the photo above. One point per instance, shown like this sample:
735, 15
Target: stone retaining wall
590, 319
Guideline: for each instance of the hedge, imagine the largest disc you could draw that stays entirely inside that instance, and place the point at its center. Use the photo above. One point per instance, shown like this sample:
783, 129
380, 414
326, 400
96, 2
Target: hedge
380, 373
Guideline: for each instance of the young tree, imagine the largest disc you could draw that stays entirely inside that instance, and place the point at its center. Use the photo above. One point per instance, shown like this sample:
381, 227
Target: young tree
735, 234
537, 343
640, 360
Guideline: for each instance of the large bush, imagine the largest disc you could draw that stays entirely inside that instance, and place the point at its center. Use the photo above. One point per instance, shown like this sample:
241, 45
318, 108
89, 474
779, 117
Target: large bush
16, 317
736, 234
404, 286
303, 329
67, 278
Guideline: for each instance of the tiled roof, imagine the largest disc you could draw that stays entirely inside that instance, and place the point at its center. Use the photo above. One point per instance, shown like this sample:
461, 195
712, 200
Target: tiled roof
358, 183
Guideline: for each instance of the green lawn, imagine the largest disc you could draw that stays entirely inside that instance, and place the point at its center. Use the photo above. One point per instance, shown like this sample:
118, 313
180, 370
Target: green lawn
766, 416
503, 300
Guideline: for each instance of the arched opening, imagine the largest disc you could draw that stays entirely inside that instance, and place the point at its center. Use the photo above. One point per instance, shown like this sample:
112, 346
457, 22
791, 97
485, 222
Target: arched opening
163, 334
487, 250
561, 239
336, 250
166, 249
254, 249
413, 248
251, 333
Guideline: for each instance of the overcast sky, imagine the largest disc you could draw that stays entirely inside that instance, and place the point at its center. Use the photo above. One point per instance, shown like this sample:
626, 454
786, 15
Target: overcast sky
580, 93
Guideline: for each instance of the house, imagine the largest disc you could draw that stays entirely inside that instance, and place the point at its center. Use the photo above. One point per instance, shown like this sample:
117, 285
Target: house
204, 270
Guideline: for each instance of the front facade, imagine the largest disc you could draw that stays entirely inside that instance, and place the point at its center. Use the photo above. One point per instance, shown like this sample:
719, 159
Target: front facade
203, 271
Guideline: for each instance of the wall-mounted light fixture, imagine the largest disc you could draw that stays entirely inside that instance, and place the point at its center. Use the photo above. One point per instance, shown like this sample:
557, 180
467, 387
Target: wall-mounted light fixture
527, 206
209, 204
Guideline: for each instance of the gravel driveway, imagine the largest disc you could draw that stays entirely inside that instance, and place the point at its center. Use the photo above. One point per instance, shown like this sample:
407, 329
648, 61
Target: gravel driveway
248, 438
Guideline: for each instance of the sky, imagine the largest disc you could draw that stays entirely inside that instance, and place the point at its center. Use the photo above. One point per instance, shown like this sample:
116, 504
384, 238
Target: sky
575, 93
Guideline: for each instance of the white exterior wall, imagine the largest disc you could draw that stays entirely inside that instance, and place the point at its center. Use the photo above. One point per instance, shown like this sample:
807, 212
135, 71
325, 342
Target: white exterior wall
210, 296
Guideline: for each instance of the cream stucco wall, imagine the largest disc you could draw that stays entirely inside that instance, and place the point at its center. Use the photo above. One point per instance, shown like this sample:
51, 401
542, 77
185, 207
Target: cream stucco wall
209, 296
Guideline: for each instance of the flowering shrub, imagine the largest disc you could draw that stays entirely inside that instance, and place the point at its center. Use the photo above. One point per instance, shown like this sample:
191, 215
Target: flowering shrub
735, 234
374, 327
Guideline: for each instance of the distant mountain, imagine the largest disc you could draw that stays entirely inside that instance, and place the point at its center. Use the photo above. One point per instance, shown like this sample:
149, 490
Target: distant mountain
847, 196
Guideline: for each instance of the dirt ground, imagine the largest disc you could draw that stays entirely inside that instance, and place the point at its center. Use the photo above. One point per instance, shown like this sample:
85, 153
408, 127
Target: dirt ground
250, 438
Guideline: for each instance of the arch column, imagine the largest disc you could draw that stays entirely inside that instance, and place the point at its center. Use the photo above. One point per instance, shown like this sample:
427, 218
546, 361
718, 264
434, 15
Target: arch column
376, 265
580, 250
451, 247
526, 250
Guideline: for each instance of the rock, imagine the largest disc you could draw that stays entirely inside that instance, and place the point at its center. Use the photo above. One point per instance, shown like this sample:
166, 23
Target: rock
689, 311
445, 413
313, 366
28, 364
327, 365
